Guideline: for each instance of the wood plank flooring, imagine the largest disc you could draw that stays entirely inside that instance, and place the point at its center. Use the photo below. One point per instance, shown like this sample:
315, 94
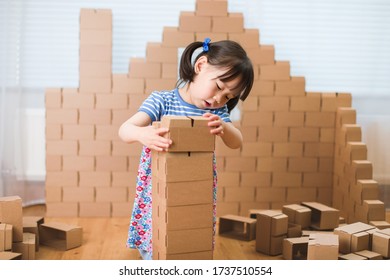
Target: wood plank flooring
104, 239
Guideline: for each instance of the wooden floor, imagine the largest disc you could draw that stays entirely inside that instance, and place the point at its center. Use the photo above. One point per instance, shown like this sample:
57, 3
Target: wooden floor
104, 239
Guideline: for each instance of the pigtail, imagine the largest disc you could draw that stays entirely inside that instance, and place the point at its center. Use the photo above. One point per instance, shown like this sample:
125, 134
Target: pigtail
186, 69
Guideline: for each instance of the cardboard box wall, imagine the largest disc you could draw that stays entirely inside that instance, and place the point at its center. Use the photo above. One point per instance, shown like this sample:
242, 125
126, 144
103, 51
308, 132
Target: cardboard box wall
292, 107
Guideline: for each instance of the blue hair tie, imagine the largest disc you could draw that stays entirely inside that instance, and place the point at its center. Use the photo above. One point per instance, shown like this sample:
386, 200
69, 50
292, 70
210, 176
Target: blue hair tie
206, 44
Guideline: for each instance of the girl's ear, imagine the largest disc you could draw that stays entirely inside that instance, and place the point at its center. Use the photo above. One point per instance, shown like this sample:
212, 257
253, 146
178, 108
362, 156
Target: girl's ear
200, 63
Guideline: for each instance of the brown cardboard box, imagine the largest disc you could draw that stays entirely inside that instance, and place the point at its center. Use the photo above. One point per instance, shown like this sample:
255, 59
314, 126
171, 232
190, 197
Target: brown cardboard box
369, 255
11, 213
323, 247
211, 7
323, 217
60, 236
380, 224
271, 229
375, 210
352, 256
353, 237
26, 247
5, 237
237, 227
381, 242
295, 248
180, 167
31, 224
294, 230
10, 256
188, 134
298, 214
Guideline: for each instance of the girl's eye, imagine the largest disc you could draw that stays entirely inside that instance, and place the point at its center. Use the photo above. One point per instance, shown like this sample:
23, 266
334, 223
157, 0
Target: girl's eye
218, 87
227, 97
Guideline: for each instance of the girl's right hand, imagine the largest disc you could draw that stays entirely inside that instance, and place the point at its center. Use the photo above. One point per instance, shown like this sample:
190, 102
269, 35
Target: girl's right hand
153, 138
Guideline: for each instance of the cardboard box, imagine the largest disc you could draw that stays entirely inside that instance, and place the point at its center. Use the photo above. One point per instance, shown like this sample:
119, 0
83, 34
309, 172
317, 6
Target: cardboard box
271, 229
323, 247
5, 237
380, 224
60, 236
294, 230
26, 247
10, 256
352, 256
180, 167
188, 134
11, 213
295, 248
369, 255
381, 242
31, 224
323, 217
298, 214
237, 227
353, 237
375, 210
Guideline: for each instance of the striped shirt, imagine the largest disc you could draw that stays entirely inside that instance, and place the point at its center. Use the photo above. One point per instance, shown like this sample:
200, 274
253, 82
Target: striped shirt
161, 103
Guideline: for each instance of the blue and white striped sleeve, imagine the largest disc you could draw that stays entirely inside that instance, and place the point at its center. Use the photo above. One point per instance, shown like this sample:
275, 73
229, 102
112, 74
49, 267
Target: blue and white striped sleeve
153, 106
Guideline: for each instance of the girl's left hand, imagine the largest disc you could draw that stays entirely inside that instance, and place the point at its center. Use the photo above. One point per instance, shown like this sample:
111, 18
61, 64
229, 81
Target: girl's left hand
215, 123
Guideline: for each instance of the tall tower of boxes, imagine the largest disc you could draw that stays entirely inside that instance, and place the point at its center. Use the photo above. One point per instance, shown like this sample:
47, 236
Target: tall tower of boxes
183, 221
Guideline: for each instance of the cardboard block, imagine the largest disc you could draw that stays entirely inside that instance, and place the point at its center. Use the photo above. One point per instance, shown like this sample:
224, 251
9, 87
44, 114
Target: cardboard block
353, 237
323, 247
381, 242
369, 255
10, 256
188, 134
5, 237
323, 217
352, 256
26, 247
295, 248
298, 214
31, 224
60, 236
237, 227
11, 213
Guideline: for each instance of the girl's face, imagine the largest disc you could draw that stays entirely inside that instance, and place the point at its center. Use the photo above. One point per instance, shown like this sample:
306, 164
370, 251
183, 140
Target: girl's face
207, 91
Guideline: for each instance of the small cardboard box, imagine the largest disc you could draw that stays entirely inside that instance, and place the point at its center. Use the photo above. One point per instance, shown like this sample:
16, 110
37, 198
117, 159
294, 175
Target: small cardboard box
352, 256
294, 230
271, 229
323, 217
31, 224
11, 213
60, 236
180, 167
369, 255
323, 247
10, 256
381, 242
295, 248
5, 237
237, 227
188, 134
380, 224
26, 247
353, 237
298, 214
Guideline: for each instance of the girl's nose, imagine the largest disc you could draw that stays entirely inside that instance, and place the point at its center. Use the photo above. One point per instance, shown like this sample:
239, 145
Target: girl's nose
217, 99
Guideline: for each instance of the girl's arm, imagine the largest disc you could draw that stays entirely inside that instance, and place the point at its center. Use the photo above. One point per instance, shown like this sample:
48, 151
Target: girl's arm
230, 135
138, 129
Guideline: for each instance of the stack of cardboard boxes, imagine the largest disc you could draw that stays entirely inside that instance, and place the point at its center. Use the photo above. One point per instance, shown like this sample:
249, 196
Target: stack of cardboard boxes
20, 236
183, 221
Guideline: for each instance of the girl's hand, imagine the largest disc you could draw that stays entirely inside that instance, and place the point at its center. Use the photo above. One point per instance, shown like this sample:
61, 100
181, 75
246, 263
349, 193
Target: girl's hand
215, 123
153, 139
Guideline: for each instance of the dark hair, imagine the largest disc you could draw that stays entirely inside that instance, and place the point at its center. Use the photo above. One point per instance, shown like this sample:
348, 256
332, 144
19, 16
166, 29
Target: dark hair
223, 54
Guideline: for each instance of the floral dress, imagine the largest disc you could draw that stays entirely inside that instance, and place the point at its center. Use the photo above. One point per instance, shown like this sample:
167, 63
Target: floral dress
140, 229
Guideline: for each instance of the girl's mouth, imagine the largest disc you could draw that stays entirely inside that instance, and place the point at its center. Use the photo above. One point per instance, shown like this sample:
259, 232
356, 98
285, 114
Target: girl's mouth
207, 104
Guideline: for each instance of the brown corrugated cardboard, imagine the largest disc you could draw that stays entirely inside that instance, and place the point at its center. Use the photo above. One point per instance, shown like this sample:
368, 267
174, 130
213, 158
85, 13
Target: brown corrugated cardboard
237, 227
31, 225
298, 214
10, 256
369, 255
11, 213
352, 256
380, 224
5, 237
323, 217
381, 242
271, 229
323, 247
294, 230
353, 237
295, 248
60, 236
188, 134
26, 247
